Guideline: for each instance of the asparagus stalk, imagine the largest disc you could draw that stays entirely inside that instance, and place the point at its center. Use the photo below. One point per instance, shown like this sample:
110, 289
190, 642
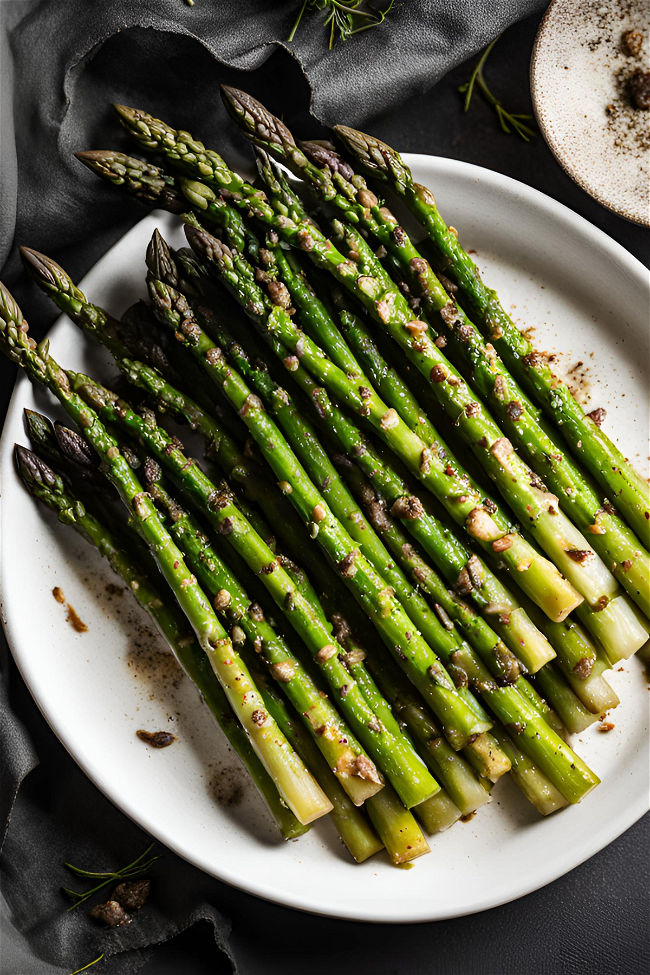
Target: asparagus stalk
529, 643
620, 630
537, 739
304, 441
581, 662
48, 488
544, 744
532, 782
448, 766
400, 765
575, 716
221, 446
578, 658
369, 587
432, 814
610, 537
438, 813
388, 381
361, 207
141, 179
245, 620
401, 835
350, 822
411, 778
540, 579
518, 630
626, 489
294, 782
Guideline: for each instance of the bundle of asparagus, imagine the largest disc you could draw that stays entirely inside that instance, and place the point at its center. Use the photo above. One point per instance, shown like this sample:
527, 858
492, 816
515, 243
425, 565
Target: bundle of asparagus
493, 618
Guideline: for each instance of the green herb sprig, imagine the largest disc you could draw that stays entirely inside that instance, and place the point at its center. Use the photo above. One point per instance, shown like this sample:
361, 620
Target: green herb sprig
89, 965
138, 866
507, 120
344, 16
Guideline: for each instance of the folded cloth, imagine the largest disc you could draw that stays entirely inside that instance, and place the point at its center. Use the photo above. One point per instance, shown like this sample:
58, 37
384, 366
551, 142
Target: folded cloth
62, 63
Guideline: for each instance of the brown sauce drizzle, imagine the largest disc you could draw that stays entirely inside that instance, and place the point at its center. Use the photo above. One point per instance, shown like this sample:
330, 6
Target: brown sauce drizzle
72, 617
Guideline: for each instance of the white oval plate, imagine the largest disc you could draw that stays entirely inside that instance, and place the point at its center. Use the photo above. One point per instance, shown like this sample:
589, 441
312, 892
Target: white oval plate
585, 295
578, 75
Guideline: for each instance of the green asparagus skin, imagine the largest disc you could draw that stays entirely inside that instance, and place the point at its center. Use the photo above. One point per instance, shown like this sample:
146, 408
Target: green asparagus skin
221, 445
580, 662
428, 812
610, 537
540, 741
522, 422
596, 583
294, 782
351, 824
407, 772
48, 488
400, 833
520, 633
373, 593
115, 336
591, 577
448, 766
539, 578
245, 619
304, 441
400, 765
544, 744
575, 716
626, 489
533, 783
390, 384
387, 381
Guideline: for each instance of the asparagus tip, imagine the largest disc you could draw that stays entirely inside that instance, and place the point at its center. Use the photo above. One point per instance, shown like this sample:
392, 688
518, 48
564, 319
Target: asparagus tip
254, 119
126, 113
9, 308
73, 447
159, 259
32, 469
201, 242
47, 274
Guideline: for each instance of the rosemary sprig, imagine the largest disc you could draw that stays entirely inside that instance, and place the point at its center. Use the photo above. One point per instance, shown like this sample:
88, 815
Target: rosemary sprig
507, 120
89, 965
344, 16
138, 866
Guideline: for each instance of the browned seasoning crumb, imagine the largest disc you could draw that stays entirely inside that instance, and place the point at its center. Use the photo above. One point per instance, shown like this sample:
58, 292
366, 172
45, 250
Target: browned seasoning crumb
157, 739
113, 590
57, 592
111, 913
75, 621
579, 555
467, 817
633, 42
638, 86
132, 894
606, 726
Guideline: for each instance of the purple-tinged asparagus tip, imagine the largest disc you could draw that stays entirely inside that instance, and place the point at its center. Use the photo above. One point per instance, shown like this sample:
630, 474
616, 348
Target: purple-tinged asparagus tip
32, 469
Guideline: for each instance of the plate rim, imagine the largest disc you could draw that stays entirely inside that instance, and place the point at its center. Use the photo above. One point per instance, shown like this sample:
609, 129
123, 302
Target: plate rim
554, 144
598, 841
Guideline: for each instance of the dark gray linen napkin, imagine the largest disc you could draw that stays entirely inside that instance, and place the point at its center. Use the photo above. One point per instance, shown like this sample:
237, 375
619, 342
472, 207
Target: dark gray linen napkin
62, 62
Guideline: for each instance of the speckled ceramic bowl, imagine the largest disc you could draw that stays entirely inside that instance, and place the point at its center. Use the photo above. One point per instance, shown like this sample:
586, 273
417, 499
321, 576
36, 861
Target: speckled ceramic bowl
579, 80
